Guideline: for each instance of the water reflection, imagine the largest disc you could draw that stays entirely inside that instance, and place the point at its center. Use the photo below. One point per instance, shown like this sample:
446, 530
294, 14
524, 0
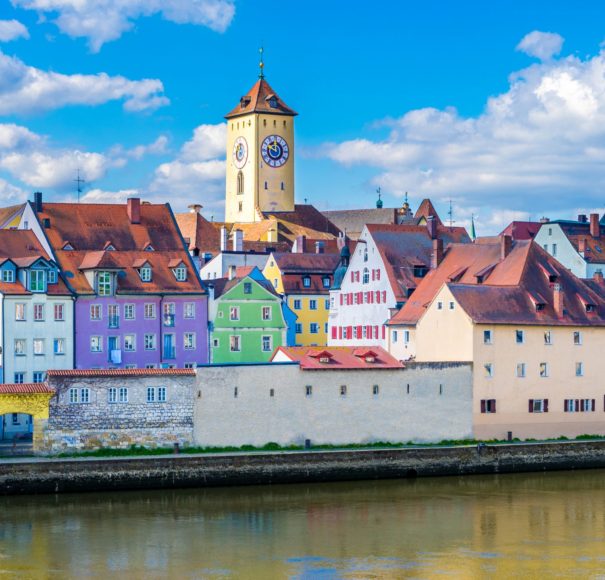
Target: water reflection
536, 525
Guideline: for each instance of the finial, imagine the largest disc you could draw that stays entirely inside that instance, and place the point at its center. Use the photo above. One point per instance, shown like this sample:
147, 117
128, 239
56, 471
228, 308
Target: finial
261, 64
379, 202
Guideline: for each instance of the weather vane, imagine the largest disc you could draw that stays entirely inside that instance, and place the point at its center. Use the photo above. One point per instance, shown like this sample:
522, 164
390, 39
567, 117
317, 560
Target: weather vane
79, 181
261, 64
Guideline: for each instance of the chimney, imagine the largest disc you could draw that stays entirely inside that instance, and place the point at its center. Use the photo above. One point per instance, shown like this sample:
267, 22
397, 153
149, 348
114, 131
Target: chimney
437, 254
38, 202
238, 241
598, 277
195, 208
231, 272
506, 245
582, 218
544, 220
223, 239
300, 245
557, 299
595, 227
210, 289
319, 247
133, 207
431, 226
582, 246
340, 241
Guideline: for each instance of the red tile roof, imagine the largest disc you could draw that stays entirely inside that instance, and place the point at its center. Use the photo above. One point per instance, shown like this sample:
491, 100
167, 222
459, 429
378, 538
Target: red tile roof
340, 357
199, 233
521, 230
426, 209
293, 266
257, 99
25, 388
119, 372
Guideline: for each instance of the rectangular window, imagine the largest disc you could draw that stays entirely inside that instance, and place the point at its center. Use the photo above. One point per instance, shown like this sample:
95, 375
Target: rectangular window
20, 347
235, 343
544, 369
161, 394
266, 312
95, 312
180, 274
52, 276
38, 312
312, 304
59, 346
394, 336
298, 328
579, 369
406, 336
306, 281
38, 377
234, 313
169, 314
19, 378
247, 287
487, 337
20, 311
129, 312
577, 337
150, 394
308, 390
547, 337
554, 250
130, 343
189, 310
519, 336
327, 304
488, 405
439, 305
104, 284
85, 395
112, 395
216, 343
343, 390
59, 311
113, 316
521, 370
451, 306
37, 280
73, 395
375, 390
297, 305
38, 346
189, 341
267, 343
149, 311
538, 405
8, 276
96, 343
314, 328
150, 342
489, 370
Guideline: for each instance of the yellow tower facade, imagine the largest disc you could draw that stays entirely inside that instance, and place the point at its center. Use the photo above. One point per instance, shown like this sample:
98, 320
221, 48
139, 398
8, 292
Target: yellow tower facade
260, 155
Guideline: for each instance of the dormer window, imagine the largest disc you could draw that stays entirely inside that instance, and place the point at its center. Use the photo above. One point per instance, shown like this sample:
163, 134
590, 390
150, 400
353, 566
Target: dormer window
273, 102
145, 273
307, 281
37, 281
370, 358
104, 284
8, 276
326, 281
180, 273
109, 247
67, 247
420, 271
52, 276
149, 248
324, 360
244, 102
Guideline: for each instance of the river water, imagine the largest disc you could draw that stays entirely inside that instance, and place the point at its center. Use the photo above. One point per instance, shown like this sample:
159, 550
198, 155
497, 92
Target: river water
507, 526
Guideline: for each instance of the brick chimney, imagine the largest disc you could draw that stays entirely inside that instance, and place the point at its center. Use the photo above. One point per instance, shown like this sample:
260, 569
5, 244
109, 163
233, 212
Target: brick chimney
431, 226
238, 241
557, 299
133, 207
38, 202
195, 207
319, 247
595, 227
300, 245
582, 218
506, 245
223, 239
437, 253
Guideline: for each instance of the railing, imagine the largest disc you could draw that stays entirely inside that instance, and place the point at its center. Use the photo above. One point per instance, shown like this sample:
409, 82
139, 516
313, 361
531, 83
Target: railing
168, 319
113, 321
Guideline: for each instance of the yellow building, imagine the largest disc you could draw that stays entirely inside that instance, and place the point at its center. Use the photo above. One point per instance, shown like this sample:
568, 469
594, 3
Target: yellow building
534, 332
305, 280
260, 155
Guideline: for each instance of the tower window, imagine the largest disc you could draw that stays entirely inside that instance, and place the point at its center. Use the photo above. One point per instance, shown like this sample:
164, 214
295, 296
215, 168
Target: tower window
282, 186
266, 185
240, 182
238, 125
264, 122
274, 123
241, 206
285, 124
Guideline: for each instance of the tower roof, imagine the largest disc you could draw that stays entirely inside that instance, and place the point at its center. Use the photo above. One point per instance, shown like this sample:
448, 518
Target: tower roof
261, 98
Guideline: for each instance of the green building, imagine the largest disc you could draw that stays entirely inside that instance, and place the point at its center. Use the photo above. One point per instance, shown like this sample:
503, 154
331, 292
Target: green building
246, 318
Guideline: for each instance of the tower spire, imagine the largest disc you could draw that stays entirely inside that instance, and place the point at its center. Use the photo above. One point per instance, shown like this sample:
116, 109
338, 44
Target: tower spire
261, 64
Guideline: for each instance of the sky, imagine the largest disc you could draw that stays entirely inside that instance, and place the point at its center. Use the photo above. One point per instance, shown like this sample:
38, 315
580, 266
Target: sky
496, 107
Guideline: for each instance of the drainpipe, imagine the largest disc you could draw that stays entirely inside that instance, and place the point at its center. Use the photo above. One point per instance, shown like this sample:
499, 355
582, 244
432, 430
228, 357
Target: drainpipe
160, 315
75, 330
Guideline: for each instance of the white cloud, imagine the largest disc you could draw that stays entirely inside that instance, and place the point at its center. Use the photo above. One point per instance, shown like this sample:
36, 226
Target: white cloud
10, 193
15, 137
542, 45
121, 154
536, 148
103, 196
106, 20
25, 89
11, 30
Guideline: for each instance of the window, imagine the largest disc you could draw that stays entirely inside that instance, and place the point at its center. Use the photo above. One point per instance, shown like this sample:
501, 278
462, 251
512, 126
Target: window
240, 206
240, 182
307, 281
38, 346
189, 311
52, 276
190, 365
123, 395
59, 346
37, 280
104, 283
150, 342
96, 344
375, 390
8, 275
266, 312
189, 341
544, 369
312, 304
180, 274
298, 328
247, 287
20, 347
343, 390
394, 336
550, 231
38, 312
577, 337
235, 343
308, 390
129, 311
130, 342
19, 378
538, 405
489, 370
38, 377
216, 343
439, 305
234, 313
487, 337
95, 312
488, 405
327, 304
235, 393
579, 369
579, 405
267, 344
554, 250
59, 311
112, 395
314, 328
73, 395
169, 314
149, 311
84, 395
451, 306
519, 336
521, 370
145, 274
326, 281
366, 276
113, 316
19, 311
15, 418
161, 394
547, 337
150, 394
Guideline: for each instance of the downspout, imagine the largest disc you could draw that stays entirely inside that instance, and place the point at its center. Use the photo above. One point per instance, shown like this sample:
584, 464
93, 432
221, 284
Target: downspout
73, 323
160, 315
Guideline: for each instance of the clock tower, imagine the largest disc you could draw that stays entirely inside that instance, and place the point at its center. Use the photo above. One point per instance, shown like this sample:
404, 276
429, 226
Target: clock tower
260, 155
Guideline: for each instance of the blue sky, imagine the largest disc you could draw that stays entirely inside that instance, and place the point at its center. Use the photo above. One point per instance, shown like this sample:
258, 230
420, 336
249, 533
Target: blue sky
443, 100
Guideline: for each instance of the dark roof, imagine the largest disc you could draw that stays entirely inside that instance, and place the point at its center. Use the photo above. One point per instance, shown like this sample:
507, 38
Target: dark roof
521, 230
307, 263
351, 221
578, 233
257, 100
223, 285
307, 216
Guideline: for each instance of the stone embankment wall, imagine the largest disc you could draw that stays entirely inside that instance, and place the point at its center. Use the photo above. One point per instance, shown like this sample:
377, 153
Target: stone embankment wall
179, 471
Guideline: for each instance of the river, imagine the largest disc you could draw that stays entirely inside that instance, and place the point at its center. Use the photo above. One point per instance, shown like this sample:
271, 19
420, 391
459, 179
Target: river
528, 525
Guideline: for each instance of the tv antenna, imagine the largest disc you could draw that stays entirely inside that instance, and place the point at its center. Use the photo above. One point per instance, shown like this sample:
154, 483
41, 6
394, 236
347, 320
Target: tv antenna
450, 214
79, 182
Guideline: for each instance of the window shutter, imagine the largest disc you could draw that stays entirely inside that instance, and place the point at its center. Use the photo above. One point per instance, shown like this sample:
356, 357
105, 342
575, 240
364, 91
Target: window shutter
593, 404
359, 331
341, 299
373, 274
378, 274
546, 405
333, 332
349, 332
340, 332
383, 333
565, 406
368, 331
577, 405
384, 296
377, 296
531, 405
483, 405
494, 405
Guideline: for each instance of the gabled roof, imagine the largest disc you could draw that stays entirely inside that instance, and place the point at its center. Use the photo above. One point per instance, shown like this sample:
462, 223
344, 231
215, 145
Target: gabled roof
340, 358
426, 209
224, 285
305, 263
199, 233
25, 389
8, 214
578, 233
521, 230
257, 100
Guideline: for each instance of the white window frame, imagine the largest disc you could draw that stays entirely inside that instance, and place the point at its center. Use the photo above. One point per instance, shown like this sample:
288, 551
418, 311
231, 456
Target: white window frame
130, 311
20, 311
269, 340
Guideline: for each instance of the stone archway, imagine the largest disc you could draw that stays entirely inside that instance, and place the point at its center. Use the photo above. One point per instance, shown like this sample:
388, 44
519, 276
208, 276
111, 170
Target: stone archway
30, 399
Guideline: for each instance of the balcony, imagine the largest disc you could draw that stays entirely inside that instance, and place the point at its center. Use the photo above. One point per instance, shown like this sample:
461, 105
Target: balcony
113, 321
169, 319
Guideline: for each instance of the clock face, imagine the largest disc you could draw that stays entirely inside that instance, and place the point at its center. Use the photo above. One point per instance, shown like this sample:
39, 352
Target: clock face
275, 151
240, 152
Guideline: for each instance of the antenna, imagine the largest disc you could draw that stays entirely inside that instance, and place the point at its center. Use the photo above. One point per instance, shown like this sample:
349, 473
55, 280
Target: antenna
450, 214
79, 182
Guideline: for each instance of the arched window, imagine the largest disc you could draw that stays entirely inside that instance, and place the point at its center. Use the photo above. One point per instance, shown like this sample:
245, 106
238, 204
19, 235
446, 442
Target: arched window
284, 123
266, 185
240, 182
264, 122
274, 123
241, 206
366, 276
282, 186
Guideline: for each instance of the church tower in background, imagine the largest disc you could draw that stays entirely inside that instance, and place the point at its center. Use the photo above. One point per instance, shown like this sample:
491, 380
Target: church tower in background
260, 155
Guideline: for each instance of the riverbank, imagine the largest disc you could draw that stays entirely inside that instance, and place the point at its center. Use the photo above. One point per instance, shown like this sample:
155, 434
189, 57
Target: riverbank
45, 475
